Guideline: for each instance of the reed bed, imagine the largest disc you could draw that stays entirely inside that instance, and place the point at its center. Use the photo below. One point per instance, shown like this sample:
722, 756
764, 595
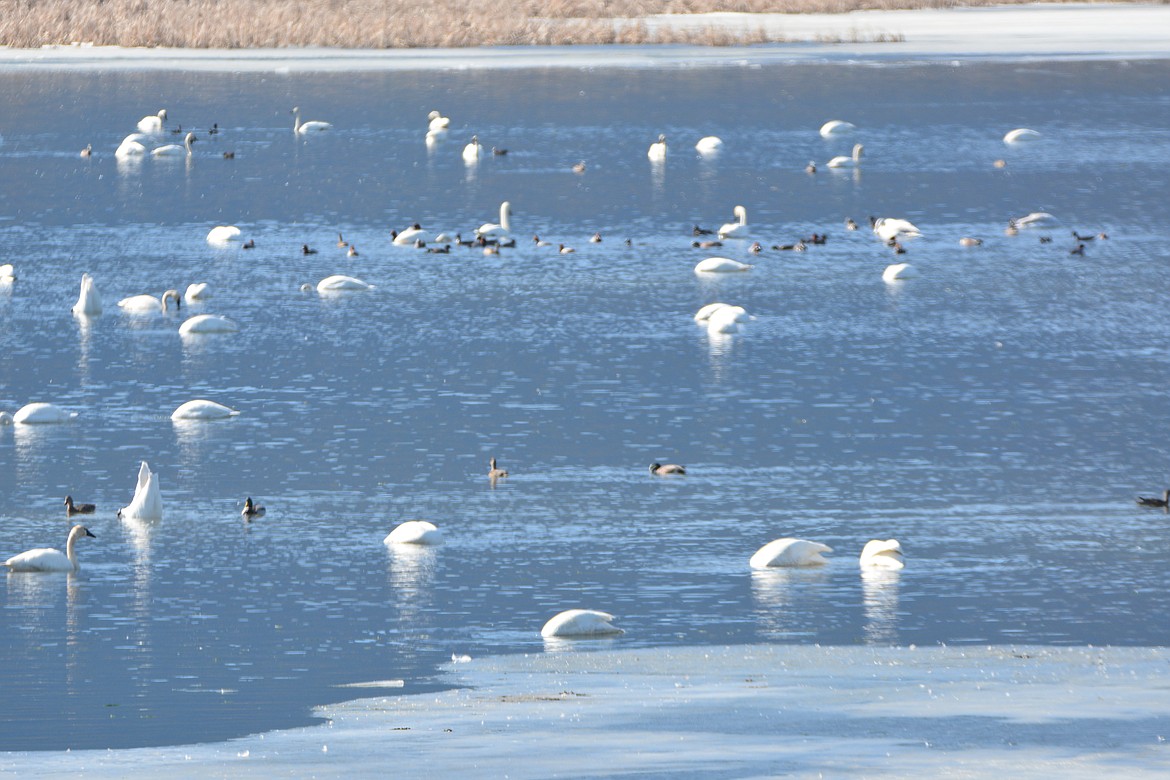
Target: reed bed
392, 24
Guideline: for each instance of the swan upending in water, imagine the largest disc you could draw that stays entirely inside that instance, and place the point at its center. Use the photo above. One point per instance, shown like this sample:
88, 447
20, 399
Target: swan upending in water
152, 123
147, 501
789, 552
899, 271
208, 323
881, 554
726, 319
1020, 134
720, 265
312, 126
339, 282
40, 413
709, 144
89, 302
176, 150
580, 623
836, 127
851, 161
657, 150
502, 228
737, 229
222, 234
148, 303
49, 559
415, 532
201, 409
197, 291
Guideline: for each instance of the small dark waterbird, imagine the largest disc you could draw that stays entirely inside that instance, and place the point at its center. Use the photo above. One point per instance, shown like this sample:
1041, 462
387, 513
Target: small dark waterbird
1156, 503
77, 509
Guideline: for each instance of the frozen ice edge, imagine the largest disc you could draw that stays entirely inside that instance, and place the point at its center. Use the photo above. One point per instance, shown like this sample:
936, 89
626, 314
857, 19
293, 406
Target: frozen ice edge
742, 711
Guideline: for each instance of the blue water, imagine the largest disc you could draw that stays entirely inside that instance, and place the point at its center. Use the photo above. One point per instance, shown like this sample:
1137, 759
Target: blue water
996, 415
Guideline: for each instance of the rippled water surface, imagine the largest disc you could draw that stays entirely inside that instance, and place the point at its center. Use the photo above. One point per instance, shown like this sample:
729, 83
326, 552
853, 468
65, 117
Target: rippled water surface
997, 415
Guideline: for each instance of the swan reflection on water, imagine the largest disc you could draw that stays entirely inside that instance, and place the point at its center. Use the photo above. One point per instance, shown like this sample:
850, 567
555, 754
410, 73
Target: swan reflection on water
879, 588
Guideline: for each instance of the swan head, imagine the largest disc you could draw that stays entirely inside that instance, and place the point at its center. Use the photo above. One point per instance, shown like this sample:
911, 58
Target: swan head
171, 295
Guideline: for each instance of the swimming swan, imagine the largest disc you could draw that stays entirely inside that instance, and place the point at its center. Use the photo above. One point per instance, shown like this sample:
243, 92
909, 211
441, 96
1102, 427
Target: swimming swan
176, 150
208, 323
301, 128
42, 414
899, 271
580, 623
7, 272
471, 151
502, 228
836, 127
410, 235
882, 554
657, 150
147, 303
222, 234
436, 122
415, 532
340, 282
789, 552
709, 144
89, 302
147, 502
719, 265
152, 123
737, 229
852, 161
131, 146
1020, 134
49, 559
201, 409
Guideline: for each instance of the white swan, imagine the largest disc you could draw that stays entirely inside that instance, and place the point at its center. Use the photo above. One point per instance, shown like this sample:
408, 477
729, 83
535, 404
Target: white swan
726, 319
88, 301
899, 271
789, 552
197, 292
301, 128
657, 150
836, 127
890, 228
222, 234
580, 623
471, 151
436, 122
415, 532
1020, 134
42, 414
412, 234
147, 303
851, 161
152, 123
176, 150
341, 282
882, 554
131, 146
720, 265
49, 559
737, 229
704, 313
208, 323
709, 144
502, 228
1035, 219
7, 272
201, 409
147, 501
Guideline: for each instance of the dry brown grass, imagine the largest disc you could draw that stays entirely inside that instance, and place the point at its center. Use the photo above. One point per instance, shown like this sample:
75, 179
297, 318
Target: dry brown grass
385, 24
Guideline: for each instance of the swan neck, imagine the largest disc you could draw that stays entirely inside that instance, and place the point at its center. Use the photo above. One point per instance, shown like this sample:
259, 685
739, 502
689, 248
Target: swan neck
69, 553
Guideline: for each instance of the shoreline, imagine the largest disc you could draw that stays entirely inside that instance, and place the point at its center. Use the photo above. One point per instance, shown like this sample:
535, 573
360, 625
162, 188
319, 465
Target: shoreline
1040, 31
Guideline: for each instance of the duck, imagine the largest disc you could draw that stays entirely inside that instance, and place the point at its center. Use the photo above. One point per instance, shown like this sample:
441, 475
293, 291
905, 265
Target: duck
811, 167
251, 510
789, 552
437, 122
719, 265
498, 152
471, 151
89, 302
595, 238
303, 128
208, 323
850, 161
836, 127
968, 241
87, 151
579, 167
580, 623
352, 251
341, 242
1079, 250
565, 250
202, 409
307, 250
699, 231
709, 144
850, 224
148, 303
1163, 502
147, 501
882, 554
737, 229
152, 123
495, 472
501, 228
47, 559
421, 532
175, 150
706, 244
445, 249
662, 469
799, 246
77, 509
657, 150
756, 248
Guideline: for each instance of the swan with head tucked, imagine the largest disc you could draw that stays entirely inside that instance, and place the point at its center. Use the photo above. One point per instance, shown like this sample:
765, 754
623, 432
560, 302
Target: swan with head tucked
899, 271
312, 126
501, 228
1020, 134
40, 413
411, 234
836, 127
881, 554
197, 291
720, 265
208, 323
850, 161
147, 501
704, 313
202, 409
48, 559
340, 282
176, 150
1035, 219
222, 234
415, 532
789, 552
472, 150
726, 319
737, 229
148, 303
131, 146
153, 123
657, 150
891, 228
580, 623
709, 144
436, 122
89, 302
